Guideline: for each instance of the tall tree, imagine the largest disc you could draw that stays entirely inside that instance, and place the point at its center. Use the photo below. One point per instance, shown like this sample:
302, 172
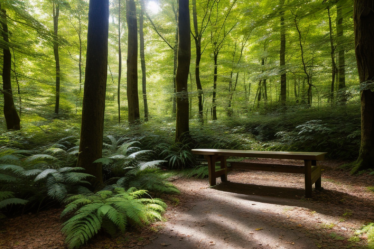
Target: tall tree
142, 60
283, 56
132, 63
341, 52
333, 64
217, 40
198, 36
183, 68
56, 14
364, 35
91, 139
304, 62
10, 113
119, 63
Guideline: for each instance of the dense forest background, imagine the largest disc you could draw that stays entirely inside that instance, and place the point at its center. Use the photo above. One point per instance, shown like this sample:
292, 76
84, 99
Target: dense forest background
293, 58
102, 99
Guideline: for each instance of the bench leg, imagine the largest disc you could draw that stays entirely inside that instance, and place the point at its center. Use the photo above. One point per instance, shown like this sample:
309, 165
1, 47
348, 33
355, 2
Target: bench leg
318, 183
308, 178
212, 169
224, 166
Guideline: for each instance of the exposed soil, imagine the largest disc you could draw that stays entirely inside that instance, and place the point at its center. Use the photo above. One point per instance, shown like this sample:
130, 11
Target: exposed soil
253, 210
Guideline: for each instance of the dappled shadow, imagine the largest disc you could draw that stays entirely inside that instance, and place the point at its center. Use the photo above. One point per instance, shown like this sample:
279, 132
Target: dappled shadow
236, 215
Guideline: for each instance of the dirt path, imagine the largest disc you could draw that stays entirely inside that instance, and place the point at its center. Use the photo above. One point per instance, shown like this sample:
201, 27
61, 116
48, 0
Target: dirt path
253, 210
267, 210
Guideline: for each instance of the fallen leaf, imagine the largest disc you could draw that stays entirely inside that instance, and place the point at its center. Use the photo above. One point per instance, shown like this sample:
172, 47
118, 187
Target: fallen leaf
259, 229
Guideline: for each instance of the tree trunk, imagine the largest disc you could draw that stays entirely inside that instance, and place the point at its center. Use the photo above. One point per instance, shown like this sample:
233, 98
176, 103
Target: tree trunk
175, 63
142, 59
304, 64
341, 60
10, 113
91, 140
214, 108
56, 13
183, 68
283, 57
119, 63
364, 35
132, 63
333, 70
198, 59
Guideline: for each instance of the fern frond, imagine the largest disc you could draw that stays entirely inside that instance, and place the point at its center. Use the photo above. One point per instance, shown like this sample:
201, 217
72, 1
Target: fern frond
44, 174
12, 201
32, 172
9, 158
5, 195
55, 150
10, 167
151, 164
38, 157
7, 178
135, 154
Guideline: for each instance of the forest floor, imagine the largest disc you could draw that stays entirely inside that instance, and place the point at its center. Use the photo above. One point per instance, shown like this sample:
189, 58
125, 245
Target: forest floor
254, 210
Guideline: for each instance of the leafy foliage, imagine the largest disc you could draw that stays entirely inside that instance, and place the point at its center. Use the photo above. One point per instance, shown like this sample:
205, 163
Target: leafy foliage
111, 211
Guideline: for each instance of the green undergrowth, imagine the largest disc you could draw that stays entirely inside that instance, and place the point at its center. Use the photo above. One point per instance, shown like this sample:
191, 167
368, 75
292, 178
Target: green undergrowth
369, 230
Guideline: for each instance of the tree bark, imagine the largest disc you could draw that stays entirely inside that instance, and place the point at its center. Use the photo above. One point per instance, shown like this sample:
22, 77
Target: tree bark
197, 38
119, 63
214, 107
333, 64
56, 14
132, 63
341, 52
142, 59
91, 139
10, 113
304, 64
283, 57
364, 35
175, 62
183, 68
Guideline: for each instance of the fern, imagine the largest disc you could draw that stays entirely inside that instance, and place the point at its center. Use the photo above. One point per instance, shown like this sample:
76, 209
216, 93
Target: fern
110, 211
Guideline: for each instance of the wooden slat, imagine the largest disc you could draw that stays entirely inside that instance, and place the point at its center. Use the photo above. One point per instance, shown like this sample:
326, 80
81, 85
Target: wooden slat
268, 167
221, 172
262, 154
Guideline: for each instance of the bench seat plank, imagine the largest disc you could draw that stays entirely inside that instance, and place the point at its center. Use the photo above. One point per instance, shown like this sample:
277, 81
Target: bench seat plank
319, 156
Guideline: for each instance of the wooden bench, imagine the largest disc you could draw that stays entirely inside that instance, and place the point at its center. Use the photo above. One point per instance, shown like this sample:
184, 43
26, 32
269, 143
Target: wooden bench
310, 169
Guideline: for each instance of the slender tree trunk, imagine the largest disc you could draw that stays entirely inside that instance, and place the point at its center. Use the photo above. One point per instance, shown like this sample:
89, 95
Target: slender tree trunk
56, 14
214, 107
10, 113
304, 64
283, 57
91, 140
341, 61
197, 39
175, 62
132, 63
230, 109
364, 35
333, 70
142, 59
80, 54
184, 59
119, 63
16, 77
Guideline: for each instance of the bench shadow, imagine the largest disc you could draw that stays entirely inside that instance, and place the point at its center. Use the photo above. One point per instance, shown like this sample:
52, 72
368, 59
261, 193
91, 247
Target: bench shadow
338, 202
